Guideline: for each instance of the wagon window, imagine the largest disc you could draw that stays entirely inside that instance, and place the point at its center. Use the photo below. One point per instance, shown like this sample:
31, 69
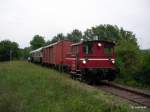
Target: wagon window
87, 49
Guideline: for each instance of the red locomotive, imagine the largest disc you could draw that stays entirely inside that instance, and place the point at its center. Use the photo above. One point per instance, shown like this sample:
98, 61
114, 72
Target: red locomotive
88, 60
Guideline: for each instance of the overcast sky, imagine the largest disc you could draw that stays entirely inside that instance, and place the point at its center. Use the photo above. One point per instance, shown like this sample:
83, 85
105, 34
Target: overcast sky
20, 20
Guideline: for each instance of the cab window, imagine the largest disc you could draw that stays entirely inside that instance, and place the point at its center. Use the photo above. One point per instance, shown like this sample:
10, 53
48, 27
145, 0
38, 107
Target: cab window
108, 50
87, 49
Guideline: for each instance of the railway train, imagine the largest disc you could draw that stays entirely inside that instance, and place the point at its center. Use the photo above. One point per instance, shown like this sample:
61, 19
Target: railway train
86, 60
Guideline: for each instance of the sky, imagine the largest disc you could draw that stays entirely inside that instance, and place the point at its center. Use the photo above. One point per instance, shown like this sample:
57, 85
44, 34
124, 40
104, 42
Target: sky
20, 20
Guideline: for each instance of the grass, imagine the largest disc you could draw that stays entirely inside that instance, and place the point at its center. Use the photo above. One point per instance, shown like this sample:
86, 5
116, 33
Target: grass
25, 87
132, 83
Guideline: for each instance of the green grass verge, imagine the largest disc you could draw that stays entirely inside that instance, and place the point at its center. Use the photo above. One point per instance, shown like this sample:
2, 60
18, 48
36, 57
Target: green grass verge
132, 83
25, 87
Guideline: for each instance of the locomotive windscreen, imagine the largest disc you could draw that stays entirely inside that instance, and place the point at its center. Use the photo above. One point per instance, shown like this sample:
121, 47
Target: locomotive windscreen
87, 49
108, 49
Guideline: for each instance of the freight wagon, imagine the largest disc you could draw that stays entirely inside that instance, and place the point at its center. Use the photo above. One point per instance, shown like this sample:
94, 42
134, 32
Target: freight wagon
55, 54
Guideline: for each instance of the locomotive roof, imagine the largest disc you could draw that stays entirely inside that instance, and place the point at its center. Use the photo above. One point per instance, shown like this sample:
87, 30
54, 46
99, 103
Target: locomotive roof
109, 42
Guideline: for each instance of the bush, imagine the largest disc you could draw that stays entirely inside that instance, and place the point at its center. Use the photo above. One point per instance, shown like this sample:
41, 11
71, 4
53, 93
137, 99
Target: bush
143, 75
127, 58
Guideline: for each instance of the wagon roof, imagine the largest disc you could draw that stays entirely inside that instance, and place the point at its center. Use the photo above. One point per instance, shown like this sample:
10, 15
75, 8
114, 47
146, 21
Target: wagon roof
36, 50
50, 45
109, 42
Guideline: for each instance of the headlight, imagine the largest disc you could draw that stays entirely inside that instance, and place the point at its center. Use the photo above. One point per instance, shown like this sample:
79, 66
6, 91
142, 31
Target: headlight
84, 62
99, 44
113, 61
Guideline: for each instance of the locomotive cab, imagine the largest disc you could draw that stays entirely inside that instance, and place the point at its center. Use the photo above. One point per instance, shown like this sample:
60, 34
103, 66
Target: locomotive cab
93, 60
97, 54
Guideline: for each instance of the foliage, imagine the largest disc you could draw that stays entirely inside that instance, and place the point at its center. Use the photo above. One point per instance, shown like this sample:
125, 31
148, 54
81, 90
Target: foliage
58, 37
8, 50
103, 32
30, 88
75, 35
47, 42
143, 75
37, 42
25, 52
110, 33
128, 54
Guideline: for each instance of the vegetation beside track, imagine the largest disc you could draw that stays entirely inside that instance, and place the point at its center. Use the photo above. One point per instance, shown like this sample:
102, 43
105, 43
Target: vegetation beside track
138, 76
27, 87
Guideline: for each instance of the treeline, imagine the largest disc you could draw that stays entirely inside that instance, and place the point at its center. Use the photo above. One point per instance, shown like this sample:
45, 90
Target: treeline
132, 62
9, 50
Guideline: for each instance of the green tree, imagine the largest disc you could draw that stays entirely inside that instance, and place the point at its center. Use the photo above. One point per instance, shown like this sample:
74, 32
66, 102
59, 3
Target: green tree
142, 76
8, 50
26, 52
58, 37
103, 32
110, 33
75, 35
88, 34
37, 41
128, 53
48, 42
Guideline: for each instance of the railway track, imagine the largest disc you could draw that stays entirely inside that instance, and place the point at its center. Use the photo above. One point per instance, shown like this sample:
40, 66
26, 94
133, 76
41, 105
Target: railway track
131, 94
